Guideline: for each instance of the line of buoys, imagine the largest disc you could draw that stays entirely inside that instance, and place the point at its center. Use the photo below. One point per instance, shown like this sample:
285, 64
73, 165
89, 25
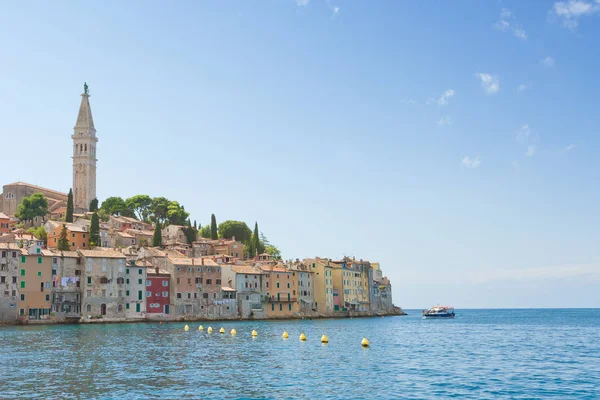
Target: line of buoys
233, 332
222, 330
254, 334
209, 330
285, 335
187, 328
365, 343
302, 337
324, 339
200, 328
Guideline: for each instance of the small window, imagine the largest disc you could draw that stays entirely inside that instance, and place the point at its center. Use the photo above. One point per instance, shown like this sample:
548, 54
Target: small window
290, 306
127, 293
178, 295
140, 271
39, 261
39, 273
205, 295
165, 283
88, 308
23, 259
127, 272
47, 297
140, 282
148, 283
127, 306
22, 297
148, 294
22, 284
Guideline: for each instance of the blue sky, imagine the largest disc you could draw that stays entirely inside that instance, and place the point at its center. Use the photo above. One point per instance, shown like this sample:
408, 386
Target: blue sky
454, 142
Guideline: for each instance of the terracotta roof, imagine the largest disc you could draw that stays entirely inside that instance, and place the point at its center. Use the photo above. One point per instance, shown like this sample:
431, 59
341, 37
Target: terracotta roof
58, 253
139, 232
268, 268
4, 216
126, 235
245, 269
160, 272
36, 187
143, 263
108, 253
195, 262
227, 289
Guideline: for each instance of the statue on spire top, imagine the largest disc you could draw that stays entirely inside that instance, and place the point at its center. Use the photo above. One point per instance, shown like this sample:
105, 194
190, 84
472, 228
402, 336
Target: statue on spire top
85, 88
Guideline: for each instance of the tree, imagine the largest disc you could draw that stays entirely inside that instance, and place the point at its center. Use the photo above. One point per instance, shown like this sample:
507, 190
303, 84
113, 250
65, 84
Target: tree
249, 249
116, 206
240, 230
214, 233
103, 215
143, 242
40, 233
33, 206
159, 209
69, 216
195, 225
63, 242
94, 205
141, 205
190, 234
176, 214
157, 237
205, 232
273, 251
256, 242
95, 231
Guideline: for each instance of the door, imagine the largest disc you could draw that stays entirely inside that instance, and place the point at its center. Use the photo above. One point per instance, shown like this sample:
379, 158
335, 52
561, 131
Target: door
137, 307
103, 309
166, 309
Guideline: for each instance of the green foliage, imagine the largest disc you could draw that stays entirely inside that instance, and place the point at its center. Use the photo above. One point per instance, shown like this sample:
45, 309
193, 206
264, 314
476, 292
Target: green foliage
103, 215
117, 206
195, 225
40, 233
159, 209
157, 237
205, 232
94, 205
256, 242
69, 216
63, 242
249, 249
33, 206
240, 230
143, 242
190, 234
176, 214
95, 231
274, 251
214, 231
141, 204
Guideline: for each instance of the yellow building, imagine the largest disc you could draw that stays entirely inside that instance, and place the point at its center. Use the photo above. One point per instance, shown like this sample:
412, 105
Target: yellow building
35, 283
280, 285
323, 284
351, 284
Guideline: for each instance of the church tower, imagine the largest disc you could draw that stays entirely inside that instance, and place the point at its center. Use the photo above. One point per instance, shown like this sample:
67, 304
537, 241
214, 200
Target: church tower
84, 156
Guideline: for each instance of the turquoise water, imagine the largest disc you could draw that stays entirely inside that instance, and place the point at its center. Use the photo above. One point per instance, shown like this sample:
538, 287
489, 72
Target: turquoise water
480, 354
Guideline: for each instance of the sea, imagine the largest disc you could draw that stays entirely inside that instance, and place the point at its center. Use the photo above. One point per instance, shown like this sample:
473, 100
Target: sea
481, 354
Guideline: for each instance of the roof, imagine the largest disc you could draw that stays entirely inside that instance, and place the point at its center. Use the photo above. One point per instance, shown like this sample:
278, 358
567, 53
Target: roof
268, 268
143, 263
4, 216
196, 262
227, 289
58, 253
245, 269
160, 272
139, 232
125, 234
36, 187
108, 253
84, 118
76, 228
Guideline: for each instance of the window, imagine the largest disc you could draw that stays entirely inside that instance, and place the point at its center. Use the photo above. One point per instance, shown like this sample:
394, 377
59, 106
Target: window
39, 260
139, 294
190, 295
198, 280
277, 284
88, 308
127, 293
140, 282
165, 283
272, 306
148, 283
288, 285
104, 280
14, 254
39, 273
280, 307
127, 281
23, 259
127, 306
209, 282
178, 295
189, 281
148, 294
72, 234
290, 306
22, 284
47, 297
140, 271
205, 295
165, 294
84, 235
120, 281
218, 281
22, 297
267, 284
178, 280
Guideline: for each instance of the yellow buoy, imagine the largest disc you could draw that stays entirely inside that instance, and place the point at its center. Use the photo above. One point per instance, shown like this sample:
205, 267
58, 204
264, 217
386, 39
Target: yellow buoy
222, 330
254, 334
285, 335
324, 339
302, 337
187, 328
200, 328
233, 332
365, 342
209, 330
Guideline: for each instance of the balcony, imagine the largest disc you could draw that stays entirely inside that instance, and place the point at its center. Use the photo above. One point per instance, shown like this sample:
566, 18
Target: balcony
274, 299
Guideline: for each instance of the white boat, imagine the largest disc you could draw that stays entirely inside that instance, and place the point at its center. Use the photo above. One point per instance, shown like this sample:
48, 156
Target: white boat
439, 312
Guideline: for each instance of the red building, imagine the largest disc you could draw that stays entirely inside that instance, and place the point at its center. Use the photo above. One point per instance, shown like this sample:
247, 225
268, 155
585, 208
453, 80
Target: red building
160, 287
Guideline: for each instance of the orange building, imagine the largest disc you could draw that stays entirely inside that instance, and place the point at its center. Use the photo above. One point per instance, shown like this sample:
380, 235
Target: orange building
4, 223
77, 236
280, 284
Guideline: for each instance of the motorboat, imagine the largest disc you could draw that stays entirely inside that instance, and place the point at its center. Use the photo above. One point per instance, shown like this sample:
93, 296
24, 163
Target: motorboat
439, 312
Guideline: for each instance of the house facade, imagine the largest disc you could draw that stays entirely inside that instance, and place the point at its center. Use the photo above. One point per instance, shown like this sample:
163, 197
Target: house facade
136, 289
159, 303
323, 284
104, 283
10, 257
66, 285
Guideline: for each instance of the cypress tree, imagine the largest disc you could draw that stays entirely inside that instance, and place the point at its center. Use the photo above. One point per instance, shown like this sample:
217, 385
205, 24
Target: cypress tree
213, 227
195, 225
157, 237
256, 239
95, 231
69, 216
94, 205
63, 242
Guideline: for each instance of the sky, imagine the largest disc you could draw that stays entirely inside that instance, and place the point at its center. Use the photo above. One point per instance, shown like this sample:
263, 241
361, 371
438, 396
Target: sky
454, 142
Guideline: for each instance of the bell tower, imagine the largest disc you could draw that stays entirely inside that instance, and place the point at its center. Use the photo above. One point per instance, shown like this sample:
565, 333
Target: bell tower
84, 155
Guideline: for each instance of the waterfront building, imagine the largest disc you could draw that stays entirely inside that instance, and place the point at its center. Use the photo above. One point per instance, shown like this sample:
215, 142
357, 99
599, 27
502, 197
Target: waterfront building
10, 257
386, 294
322, 283
137, 289
159, 283
280, 290
35, 283
248, 283
304, 286
104, 283
66, 285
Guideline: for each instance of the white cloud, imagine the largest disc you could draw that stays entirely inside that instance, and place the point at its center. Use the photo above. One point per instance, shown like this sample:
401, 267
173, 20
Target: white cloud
548, 62
490, 83
523, 133
530, 151
443, 100
335, 10
471, 162
446, 120
569, 147
508, 22
570, 11
523, 87
302, 3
